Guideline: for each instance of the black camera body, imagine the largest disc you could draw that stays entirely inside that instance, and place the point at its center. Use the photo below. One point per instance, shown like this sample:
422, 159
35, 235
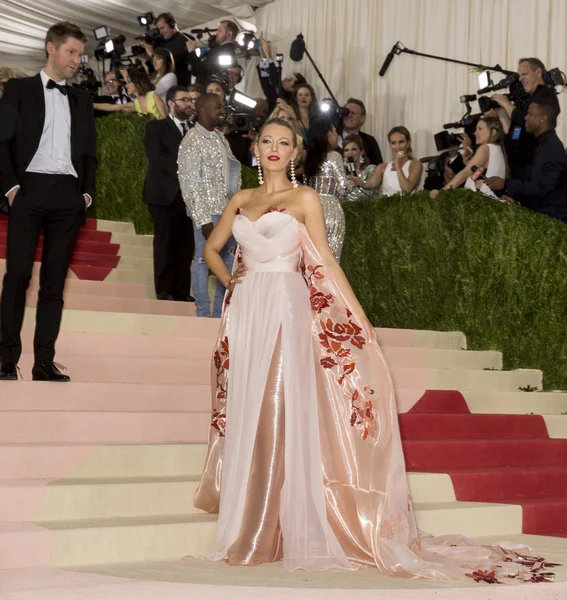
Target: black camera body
88, 81
152, 37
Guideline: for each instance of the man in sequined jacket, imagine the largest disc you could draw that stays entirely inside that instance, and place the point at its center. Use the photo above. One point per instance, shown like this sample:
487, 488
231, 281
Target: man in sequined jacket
209, 176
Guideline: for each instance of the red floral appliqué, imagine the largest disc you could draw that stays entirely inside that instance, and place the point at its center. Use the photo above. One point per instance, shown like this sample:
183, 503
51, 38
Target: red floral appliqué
221, 361
335, 337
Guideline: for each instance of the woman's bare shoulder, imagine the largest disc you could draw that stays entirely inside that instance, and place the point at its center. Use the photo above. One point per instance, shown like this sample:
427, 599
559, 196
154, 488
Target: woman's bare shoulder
242, 197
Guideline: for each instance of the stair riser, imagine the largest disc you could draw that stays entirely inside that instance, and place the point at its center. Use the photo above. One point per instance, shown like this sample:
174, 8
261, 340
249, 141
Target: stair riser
450, 427
173, 541
550, 520
440, 456
509, 487
100, 461
138, 370
104, 428
190, 348
62, 500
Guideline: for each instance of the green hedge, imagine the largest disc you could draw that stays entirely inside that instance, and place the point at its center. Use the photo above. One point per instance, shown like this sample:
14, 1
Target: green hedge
463, 262
122, 166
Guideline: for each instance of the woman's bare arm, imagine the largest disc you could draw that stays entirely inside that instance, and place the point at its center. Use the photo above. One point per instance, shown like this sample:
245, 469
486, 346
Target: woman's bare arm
220, 235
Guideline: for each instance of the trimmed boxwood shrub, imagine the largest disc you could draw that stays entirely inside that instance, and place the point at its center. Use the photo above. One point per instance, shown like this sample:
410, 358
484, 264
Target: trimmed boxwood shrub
462, 262
122, 167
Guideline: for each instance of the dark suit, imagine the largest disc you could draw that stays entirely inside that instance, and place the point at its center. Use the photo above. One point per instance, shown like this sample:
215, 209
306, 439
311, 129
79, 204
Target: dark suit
546, 191
177, 45
371, 148
53, 204
173, 230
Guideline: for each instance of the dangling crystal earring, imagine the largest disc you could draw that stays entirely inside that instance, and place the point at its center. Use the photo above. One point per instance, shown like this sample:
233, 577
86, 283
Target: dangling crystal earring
292, 170
260, 177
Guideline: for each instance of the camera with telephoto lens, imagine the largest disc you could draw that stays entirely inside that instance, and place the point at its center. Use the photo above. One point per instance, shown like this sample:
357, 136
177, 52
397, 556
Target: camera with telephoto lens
87, 80
240, 112
152, 37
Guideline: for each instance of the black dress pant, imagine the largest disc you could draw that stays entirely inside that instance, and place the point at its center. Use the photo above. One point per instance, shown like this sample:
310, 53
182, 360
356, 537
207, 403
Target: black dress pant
52, 204
174, 246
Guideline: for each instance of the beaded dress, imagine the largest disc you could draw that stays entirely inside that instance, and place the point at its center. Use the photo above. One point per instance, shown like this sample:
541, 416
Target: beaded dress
331, 184
359, 193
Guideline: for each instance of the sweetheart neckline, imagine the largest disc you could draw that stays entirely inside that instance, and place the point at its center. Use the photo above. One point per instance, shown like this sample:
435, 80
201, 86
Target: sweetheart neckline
268, 212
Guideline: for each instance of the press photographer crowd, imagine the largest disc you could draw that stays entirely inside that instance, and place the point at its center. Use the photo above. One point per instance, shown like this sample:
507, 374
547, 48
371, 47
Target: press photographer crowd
201, 128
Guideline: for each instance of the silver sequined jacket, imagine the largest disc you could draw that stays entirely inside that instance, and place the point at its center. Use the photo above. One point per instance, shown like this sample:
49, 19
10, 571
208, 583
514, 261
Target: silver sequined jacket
201, 172
331, 179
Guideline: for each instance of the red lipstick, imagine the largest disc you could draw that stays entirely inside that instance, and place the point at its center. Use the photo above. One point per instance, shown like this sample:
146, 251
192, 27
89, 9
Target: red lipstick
273, 158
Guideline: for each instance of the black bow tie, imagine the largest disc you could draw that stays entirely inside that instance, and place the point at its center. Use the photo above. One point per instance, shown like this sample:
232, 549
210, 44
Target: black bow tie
62, 88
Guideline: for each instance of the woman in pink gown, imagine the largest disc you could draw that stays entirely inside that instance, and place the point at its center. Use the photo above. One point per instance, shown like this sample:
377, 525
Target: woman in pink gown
305, 461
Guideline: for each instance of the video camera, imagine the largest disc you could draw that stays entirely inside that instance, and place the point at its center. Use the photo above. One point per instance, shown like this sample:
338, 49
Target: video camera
329, 109
240, 112
87, 78
151, 36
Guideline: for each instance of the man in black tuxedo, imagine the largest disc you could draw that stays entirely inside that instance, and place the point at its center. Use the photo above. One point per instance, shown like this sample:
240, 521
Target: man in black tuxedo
173, 230
47, 173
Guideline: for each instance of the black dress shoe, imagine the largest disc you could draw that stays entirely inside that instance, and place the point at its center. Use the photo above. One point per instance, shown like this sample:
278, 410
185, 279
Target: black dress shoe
165, 297
8, 370
48, 371
184, 299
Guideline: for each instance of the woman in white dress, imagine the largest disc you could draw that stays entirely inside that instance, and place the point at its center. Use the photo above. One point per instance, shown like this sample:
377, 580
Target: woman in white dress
305, 461
400, 176
488, 161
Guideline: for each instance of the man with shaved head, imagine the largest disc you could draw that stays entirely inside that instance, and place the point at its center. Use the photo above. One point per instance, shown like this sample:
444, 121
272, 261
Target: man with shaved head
209, 176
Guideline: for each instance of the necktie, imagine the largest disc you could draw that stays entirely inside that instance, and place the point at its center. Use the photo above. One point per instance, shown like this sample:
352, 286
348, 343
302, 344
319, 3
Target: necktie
62, 88
183, 129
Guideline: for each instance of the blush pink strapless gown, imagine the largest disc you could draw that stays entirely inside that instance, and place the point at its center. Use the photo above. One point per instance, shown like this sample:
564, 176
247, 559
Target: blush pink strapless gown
305, 460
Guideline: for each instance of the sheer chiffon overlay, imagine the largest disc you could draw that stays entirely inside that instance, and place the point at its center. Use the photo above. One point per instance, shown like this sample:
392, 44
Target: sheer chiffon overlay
305, 460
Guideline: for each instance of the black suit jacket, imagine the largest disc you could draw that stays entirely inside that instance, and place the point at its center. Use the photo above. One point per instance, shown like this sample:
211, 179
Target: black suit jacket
546, 191
177, 45
26, 97
162, 146
371, 148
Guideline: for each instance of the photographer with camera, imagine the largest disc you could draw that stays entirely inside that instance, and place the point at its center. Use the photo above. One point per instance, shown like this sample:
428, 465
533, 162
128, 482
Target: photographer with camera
546, 190
173, 41
520, 144
489, 158
204, 69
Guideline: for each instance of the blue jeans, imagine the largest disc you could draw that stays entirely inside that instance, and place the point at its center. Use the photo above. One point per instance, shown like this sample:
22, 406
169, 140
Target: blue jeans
200, 274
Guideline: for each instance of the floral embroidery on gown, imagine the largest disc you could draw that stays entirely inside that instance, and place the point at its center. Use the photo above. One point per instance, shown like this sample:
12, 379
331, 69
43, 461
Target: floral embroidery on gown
305, 460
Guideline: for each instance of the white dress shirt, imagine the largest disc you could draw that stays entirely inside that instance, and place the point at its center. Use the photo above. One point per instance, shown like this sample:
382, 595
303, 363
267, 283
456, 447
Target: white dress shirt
178, 124
53, 154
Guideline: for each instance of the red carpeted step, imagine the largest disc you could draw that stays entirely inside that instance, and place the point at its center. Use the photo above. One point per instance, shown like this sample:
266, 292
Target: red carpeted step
544, 515
90, 272
469, 454
90, 224
90, 235
84, 258
81, 246
451, 427
441, 401
508, 483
